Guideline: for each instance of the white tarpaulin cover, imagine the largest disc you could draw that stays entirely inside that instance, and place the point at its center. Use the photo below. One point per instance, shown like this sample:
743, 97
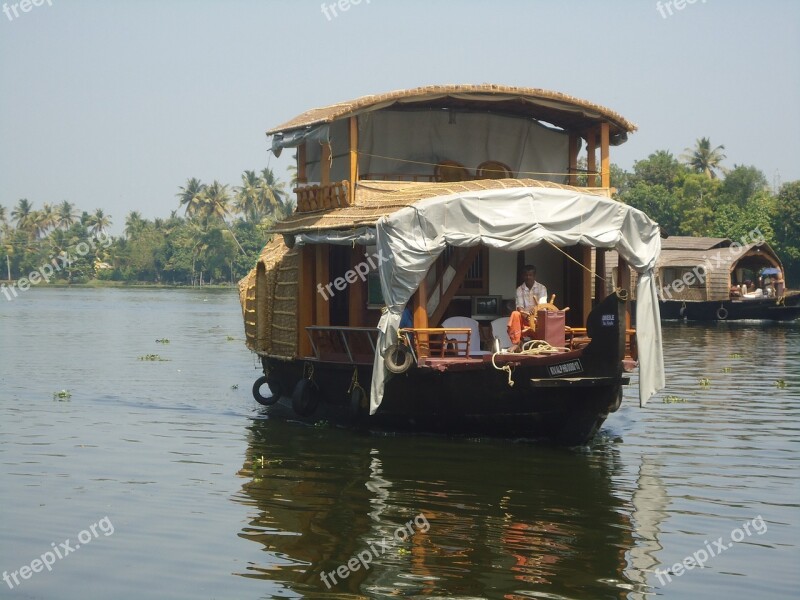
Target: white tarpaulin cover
516, 219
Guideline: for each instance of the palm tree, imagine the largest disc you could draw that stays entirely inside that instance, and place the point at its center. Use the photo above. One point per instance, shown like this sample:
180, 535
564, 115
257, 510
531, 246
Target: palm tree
215, 201
704, 159
22, 214
46, 219
99, 221
192, 196
3, 218
249, 196
66, 214
134, 223
274, 192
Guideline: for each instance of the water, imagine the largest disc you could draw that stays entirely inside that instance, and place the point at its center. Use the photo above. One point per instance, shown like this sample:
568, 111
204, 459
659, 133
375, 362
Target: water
207, 498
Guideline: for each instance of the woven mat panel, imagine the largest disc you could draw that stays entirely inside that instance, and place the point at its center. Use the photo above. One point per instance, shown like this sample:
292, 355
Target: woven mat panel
377, 199
247, 298
283, 328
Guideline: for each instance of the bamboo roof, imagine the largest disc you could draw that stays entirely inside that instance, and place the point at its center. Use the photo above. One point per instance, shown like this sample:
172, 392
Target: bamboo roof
685, 242
375, 199
559, 109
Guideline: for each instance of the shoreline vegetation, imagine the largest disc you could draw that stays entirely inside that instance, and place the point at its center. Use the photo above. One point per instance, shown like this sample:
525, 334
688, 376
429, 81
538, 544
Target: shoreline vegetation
222, 228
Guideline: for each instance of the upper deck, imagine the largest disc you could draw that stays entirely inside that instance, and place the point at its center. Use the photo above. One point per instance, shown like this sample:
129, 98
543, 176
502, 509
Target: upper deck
444, 134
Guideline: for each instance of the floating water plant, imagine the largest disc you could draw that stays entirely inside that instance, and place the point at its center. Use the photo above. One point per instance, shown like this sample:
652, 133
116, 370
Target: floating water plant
705, 382
780, 383
235, 386
727, 369
674, 400
62, 395
736, 355
153, 357
162, 341
231, 338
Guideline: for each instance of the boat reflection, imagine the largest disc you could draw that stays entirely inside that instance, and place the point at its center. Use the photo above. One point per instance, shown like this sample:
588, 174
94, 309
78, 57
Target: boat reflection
505, 520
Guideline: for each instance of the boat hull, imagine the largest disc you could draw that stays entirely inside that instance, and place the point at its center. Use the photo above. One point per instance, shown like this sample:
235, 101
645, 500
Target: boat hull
563, 398
766, 309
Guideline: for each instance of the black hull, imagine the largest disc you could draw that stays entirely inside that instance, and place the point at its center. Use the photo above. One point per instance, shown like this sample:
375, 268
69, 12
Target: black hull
765, 309
473, 399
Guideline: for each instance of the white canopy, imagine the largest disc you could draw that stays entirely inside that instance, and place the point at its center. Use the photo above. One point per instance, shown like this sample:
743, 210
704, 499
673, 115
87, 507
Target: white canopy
516, 219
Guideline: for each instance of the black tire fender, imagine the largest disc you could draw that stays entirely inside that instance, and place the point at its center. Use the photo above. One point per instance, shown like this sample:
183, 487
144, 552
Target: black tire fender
274, 387
305, 398
722, 313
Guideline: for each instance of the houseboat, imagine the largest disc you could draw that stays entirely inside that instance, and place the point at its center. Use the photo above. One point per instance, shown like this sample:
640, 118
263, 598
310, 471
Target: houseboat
423, 206
719, 279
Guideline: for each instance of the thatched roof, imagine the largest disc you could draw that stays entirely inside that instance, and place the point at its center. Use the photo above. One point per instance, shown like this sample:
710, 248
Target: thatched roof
684, 242
559, 109
374, 199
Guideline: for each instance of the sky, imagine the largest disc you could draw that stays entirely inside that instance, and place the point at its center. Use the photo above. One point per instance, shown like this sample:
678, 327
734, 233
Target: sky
114, 104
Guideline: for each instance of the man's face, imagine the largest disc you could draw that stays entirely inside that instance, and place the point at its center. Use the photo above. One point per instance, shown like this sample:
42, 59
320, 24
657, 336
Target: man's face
530, 278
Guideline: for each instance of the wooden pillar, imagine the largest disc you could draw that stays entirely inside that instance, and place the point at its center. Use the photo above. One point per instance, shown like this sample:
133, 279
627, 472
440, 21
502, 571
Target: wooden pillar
600, 268
306, 294
421, 304
591, 158
605, 161
573, 159
624, 282
353, 157
302, 178
358, 290
586, 282
325, 164
322, 310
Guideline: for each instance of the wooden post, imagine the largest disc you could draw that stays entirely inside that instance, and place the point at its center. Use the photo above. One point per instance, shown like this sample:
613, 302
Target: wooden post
591, 159
600, 268
421, 304
302, 178
605, 162
353, 158
306, 294
325, 164
573, 159
624, 282
586, 282
322, 274
358, 290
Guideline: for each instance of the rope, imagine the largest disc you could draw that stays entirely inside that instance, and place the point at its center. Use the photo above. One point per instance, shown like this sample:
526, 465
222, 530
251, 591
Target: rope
529, 348
577, 262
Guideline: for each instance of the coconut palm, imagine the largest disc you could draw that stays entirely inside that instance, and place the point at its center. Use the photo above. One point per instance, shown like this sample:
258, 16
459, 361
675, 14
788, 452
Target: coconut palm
215, 200
274, 192
66, 215
46, 219
22, 214
3, 217
99, 221
191, 196
249, 196
134, 223
705, 159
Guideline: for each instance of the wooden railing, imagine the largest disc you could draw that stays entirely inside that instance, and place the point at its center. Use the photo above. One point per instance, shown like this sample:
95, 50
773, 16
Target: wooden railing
324, 197
439, 342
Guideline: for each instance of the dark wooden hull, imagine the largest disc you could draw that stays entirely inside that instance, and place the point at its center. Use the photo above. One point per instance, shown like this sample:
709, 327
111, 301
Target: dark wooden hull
473, 398
765, 309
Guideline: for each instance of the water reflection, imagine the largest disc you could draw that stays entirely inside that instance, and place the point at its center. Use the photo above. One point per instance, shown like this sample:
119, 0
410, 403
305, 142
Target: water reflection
505, 519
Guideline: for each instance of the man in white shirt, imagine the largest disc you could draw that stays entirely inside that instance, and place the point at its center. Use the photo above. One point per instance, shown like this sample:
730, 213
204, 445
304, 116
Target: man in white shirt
529, 295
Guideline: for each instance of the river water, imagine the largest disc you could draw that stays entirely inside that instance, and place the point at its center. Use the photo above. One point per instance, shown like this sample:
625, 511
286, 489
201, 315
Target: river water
164, 479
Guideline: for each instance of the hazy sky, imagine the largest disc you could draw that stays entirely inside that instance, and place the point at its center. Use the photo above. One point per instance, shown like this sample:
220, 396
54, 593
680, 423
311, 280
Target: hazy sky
114, 104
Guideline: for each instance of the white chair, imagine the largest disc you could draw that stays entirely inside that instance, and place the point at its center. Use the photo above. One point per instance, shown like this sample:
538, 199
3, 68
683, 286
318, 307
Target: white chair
500, 332
474, 338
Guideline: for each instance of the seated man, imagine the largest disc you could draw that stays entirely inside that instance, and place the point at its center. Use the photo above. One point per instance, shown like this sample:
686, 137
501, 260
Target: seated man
529, 295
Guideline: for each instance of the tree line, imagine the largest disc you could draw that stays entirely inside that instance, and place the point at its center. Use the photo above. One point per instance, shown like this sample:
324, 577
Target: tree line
217, 230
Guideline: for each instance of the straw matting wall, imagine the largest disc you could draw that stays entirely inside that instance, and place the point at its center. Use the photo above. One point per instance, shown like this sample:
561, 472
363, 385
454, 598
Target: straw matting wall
268, 295
374, 199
